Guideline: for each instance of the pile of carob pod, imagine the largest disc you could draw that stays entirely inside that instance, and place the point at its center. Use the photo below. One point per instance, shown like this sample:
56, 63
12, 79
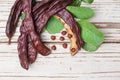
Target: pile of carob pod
36, 17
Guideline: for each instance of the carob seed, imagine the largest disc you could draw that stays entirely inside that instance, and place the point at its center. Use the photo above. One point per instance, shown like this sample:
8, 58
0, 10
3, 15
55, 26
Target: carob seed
69, 36
53, 37
62, 38
73, 50
63, 32
53, 47
64, 45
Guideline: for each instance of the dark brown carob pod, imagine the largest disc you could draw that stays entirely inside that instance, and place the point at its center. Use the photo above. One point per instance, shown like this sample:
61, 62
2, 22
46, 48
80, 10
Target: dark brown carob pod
13, 19
27, 54
40, 7
22, 48
29, 27
23, 39
54, 7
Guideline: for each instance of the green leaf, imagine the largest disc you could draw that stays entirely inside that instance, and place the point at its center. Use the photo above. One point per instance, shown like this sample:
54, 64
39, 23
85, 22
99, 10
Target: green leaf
91, 36
76, 3
89, 47
54, 26
22, 16
81, 12
88, 1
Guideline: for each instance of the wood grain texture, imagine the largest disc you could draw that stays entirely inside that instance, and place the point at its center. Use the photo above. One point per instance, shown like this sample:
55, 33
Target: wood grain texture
104, 64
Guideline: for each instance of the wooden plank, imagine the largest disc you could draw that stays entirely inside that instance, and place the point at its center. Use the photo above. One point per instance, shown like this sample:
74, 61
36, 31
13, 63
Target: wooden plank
102, 63
111, 32
106, 47
61, 65
49, 78
105, 11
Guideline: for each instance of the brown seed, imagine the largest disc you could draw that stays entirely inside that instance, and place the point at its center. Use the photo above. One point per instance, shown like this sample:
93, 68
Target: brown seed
69, 36
73, 49
62, 38
53, 47
64, 33
64, 45
53, 37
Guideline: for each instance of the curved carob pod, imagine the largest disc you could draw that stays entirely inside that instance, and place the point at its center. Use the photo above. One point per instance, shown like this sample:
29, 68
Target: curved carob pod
40, 6
54, 7
13, 19
38, 9
29, 27
27, 54
22, 48
73, 30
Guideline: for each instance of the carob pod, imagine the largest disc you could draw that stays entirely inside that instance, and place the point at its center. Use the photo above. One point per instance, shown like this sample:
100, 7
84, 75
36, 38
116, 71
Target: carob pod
40, 7
32, 53
43, 5
29, 27
72, 28
54, 7
22, 48
26, 52
13, 19
10, 28
22, 40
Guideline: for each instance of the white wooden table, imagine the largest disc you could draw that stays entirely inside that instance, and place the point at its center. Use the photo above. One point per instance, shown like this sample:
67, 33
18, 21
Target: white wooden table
104, 64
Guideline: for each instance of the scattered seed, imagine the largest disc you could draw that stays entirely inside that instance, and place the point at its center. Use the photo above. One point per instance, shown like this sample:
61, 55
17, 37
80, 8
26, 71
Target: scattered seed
64, 33
53, 47
53, 37
62, 38
64, 45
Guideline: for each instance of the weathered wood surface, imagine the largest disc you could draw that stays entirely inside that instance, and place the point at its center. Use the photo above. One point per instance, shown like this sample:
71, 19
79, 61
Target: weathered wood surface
104, 64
